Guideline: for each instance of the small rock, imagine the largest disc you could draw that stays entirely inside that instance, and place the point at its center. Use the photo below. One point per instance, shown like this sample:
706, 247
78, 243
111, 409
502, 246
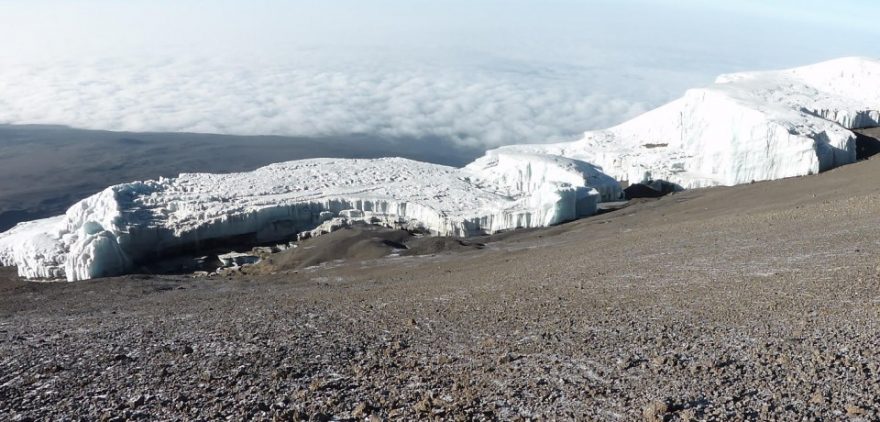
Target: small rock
242, 371
655, 411
854, 410
362, 410
664, 361
137, 400
52, 369
627, 363
687, 415
423, 406
506, 358
817, 398
321, 417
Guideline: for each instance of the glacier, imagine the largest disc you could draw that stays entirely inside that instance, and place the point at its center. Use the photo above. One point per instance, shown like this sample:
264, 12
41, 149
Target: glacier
112, 232
745, 127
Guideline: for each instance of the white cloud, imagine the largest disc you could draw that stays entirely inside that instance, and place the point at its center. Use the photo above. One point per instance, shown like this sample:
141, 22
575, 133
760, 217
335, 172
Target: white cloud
485, 106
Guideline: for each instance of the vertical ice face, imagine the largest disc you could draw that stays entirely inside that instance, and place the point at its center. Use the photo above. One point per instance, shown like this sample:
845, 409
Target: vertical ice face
844, 91
96, 253
746, 127
524, 172
113, 231
36, 247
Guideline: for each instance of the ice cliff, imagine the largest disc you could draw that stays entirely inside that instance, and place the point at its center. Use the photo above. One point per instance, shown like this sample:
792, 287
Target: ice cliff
745, 127
113, 231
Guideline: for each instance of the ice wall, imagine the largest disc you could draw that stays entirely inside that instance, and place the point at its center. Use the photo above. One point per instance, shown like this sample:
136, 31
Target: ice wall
746, 127
114, 231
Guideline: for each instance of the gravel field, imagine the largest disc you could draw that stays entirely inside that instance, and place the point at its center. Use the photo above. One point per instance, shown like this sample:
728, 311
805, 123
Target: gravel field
757, 302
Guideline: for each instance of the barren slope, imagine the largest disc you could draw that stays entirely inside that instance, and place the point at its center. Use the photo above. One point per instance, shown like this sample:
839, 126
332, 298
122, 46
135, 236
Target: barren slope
752, 302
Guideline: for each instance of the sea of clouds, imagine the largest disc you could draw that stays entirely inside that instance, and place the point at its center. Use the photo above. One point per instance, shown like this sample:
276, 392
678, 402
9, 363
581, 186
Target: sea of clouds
487, 104
482, 73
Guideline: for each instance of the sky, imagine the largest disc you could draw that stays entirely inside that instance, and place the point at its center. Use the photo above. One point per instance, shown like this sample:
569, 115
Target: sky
481, 72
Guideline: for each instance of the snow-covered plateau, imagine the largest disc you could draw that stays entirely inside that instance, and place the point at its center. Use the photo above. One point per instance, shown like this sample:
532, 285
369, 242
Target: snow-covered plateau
745, 127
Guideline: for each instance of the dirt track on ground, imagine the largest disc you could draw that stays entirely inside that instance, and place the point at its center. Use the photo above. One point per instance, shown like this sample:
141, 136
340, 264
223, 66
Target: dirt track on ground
753, 302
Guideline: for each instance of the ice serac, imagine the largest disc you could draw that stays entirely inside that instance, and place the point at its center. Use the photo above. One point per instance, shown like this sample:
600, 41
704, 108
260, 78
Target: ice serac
35, 248
114, 231
746, 127
542, 175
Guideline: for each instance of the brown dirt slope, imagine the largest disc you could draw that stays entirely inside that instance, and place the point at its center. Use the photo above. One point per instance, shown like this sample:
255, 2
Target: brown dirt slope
756, 302
359, 243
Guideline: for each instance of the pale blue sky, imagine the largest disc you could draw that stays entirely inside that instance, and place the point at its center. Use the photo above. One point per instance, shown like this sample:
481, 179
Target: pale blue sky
531, 28
589, 63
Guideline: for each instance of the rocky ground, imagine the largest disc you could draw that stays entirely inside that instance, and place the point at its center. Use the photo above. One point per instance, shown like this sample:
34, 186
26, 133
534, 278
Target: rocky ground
758, 302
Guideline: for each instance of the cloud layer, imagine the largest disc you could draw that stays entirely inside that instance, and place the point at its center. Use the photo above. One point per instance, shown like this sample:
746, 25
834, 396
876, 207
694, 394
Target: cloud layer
485, 106
483, 73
